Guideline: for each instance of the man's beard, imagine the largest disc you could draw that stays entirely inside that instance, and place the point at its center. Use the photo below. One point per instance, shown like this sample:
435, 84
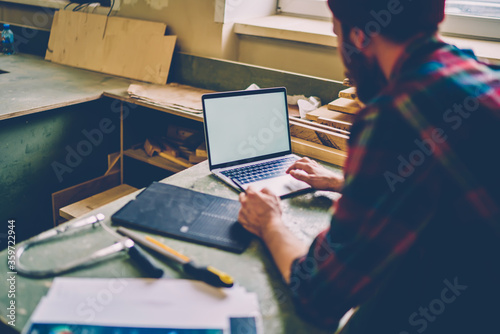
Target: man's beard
363, 72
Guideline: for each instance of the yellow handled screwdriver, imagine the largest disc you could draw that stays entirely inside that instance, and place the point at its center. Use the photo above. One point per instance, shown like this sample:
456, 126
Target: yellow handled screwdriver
209, 274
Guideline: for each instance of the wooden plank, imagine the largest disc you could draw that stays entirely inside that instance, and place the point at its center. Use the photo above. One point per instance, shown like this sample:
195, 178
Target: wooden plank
157, 161
131, 48
83, 190
172, 95
349, 93
324, 112
178, 160
52, 36
121, 94
343, 126
319, 125
194, 159
319, 152
113, 158
201, 151
319, 136
134, 28
150, 62
86, 205
151, 147
344, 105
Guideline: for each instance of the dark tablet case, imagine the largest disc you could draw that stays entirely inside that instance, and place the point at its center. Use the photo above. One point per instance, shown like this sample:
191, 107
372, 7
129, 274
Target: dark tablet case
186, 214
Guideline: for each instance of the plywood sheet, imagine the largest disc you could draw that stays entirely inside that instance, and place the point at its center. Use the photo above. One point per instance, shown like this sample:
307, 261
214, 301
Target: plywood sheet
124, 47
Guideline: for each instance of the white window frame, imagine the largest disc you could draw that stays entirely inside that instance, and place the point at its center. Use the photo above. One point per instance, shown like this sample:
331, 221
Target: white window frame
454, 24
307, 8
471, 25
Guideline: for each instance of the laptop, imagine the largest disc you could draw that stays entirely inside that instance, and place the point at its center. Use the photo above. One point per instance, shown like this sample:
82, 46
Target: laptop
248, 140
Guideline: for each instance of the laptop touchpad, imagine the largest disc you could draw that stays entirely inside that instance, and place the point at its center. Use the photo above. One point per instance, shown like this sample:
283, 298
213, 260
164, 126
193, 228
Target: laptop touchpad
280, 185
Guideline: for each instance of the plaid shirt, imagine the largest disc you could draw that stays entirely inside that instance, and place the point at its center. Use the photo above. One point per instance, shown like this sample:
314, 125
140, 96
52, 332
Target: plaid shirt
421, 158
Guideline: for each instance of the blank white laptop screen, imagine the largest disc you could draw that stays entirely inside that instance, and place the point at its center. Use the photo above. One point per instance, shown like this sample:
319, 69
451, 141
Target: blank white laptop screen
247, 126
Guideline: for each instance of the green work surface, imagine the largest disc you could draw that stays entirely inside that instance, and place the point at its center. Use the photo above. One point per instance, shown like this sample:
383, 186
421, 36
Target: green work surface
33, 85
305, 215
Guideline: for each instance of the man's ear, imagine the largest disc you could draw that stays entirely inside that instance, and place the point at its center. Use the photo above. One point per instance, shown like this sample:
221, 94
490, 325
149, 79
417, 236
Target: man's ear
359, 38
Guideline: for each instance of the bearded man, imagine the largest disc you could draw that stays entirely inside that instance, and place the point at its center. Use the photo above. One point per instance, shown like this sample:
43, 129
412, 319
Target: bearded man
414, 239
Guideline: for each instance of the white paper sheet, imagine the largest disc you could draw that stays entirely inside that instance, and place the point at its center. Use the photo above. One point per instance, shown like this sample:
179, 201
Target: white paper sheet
162, 303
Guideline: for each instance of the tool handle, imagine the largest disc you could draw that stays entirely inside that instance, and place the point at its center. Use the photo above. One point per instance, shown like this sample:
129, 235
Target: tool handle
208, 275
144, 262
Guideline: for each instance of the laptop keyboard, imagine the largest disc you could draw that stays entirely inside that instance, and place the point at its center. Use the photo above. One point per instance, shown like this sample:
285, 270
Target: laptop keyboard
260, 171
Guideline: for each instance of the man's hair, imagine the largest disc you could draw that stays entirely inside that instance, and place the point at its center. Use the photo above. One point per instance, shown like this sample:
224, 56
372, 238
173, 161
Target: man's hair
397, 20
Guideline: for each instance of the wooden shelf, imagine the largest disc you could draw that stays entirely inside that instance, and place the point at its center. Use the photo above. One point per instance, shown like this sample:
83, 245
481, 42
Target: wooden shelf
86, 205
140, 154
122, 95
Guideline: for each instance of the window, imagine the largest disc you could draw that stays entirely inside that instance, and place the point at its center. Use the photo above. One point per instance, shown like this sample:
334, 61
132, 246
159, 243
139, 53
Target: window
314, 8
479, 18
480, 8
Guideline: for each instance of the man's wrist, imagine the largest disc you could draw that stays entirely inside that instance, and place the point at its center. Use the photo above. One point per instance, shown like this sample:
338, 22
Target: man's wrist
272, 229
337, 182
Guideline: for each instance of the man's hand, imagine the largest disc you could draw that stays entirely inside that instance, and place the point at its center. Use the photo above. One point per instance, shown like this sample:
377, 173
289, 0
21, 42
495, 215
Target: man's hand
316, 176
260, 214
259, 211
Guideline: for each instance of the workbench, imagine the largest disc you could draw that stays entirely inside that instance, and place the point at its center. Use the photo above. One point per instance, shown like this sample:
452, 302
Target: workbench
305, 215
31, 85
34, 89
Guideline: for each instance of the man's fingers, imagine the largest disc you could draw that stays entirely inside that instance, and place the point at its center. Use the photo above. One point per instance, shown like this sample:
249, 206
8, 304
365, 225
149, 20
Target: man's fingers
300, 161
251, 191
300, 175
242, 197
268, 192
306, 166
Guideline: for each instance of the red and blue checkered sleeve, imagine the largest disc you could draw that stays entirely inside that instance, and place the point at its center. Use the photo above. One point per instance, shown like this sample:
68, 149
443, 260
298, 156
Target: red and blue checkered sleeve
377, 219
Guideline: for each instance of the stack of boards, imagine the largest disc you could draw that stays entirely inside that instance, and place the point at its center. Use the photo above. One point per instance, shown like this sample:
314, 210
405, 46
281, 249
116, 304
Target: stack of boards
339, 113
325, 138
124, 47
180, 145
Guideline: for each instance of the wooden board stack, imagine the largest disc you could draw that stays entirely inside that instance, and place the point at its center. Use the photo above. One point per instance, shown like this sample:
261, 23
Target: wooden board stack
182, 146
344, 105
325, 133
338, 114
319, 141
124, 47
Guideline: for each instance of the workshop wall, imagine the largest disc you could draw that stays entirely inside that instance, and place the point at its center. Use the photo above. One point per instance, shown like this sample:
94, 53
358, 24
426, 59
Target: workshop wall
32, 145
203, 28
